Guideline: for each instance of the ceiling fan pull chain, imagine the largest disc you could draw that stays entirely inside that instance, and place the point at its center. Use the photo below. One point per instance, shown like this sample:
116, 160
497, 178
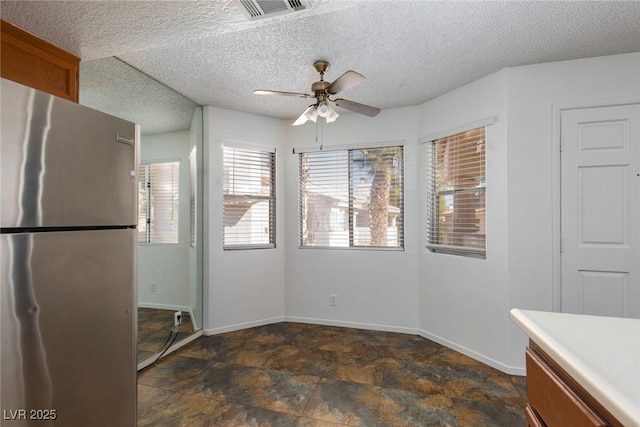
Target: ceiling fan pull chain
320, 133
322, 121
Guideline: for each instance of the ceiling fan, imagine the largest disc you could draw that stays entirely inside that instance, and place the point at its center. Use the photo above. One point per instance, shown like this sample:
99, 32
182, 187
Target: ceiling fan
322, 92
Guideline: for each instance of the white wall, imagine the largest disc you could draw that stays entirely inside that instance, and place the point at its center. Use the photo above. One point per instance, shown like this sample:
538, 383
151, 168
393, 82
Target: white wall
167, 265
533, 168
245, 287
463, 301
374, 288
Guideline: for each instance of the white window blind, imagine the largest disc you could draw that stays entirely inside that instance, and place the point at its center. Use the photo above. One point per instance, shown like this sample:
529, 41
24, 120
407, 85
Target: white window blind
352, 198
249, 198
158, 191
456, 198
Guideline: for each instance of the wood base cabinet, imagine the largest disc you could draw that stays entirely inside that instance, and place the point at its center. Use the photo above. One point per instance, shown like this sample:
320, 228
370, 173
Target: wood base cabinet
531, 419
33, 62
556, 399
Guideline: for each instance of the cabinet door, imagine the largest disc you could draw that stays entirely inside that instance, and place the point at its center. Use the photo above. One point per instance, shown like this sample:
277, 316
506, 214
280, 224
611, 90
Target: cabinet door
33, 62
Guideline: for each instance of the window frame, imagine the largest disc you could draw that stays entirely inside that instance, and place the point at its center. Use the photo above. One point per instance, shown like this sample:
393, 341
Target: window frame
193, 199
146, 181
271, 198
349, 222
433, 195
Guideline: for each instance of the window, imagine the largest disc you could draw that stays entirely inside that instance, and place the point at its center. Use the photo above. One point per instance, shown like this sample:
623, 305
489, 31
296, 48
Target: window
456, 199
351, 198
249, 198
158, 202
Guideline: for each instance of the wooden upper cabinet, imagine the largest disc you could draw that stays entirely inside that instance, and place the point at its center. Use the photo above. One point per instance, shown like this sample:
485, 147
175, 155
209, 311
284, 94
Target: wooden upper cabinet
33, 62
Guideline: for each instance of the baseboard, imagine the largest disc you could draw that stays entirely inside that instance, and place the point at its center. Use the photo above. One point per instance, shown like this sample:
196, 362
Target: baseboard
165, 306
511, 370
313, 321
355, 325
153, 359
374, 327
246, 325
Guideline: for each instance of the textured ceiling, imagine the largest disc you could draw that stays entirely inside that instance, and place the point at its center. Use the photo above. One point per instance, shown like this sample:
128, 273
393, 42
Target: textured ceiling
111, 86
409, 51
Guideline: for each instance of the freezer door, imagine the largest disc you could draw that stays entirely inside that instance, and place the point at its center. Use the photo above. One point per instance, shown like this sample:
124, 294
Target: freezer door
68, 328
64, 164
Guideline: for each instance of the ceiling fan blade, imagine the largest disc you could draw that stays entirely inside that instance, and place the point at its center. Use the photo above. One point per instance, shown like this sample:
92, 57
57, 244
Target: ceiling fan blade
367, 110
279, 92
345, 81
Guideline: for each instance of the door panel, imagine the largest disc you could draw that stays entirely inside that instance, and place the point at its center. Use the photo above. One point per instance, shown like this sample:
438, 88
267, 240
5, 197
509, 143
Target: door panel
69, 326
600, 207
602, 293
598, 186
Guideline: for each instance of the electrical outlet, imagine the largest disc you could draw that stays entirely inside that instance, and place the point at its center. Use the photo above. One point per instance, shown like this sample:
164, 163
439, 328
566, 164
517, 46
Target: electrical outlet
332, 300
152, 286
177, 318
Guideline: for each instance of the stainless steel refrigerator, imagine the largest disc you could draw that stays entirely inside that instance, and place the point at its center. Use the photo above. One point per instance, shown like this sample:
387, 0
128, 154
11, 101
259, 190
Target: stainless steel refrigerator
68, 258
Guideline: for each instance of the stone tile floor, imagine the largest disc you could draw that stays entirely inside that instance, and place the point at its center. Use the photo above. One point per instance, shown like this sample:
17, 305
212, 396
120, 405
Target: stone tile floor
293, 374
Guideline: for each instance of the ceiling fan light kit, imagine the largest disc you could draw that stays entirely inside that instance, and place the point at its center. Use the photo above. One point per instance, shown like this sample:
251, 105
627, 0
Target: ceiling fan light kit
324, 110
322, 92
309, 114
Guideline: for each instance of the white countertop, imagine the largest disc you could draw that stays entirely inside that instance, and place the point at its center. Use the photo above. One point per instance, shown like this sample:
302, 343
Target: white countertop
601, 353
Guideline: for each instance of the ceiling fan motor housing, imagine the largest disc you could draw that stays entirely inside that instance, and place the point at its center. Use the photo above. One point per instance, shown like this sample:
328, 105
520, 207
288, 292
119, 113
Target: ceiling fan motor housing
319, 88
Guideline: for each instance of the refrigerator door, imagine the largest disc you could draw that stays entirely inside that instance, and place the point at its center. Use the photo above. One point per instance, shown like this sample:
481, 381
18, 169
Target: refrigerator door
68, 328
64, 164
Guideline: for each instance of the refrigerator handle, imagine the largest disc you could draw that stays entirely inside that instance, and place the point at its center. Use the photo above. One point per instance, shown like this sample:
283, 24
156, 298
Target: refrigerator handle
124, 139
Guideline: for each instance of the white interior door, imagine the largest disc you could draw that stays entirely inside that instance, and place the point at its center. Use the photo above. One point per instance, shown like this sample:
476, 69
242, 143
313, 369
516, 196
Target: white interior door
600, 210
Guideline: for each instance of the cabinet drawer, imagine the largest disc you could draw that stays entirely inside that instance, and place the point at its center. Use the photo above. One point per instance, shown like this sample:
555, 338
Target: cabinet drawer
555, 402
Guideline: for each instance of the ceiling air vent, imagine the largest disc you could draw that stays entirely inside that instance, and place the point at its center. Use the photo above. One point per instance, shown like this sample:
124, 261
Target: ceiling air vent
257, 9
